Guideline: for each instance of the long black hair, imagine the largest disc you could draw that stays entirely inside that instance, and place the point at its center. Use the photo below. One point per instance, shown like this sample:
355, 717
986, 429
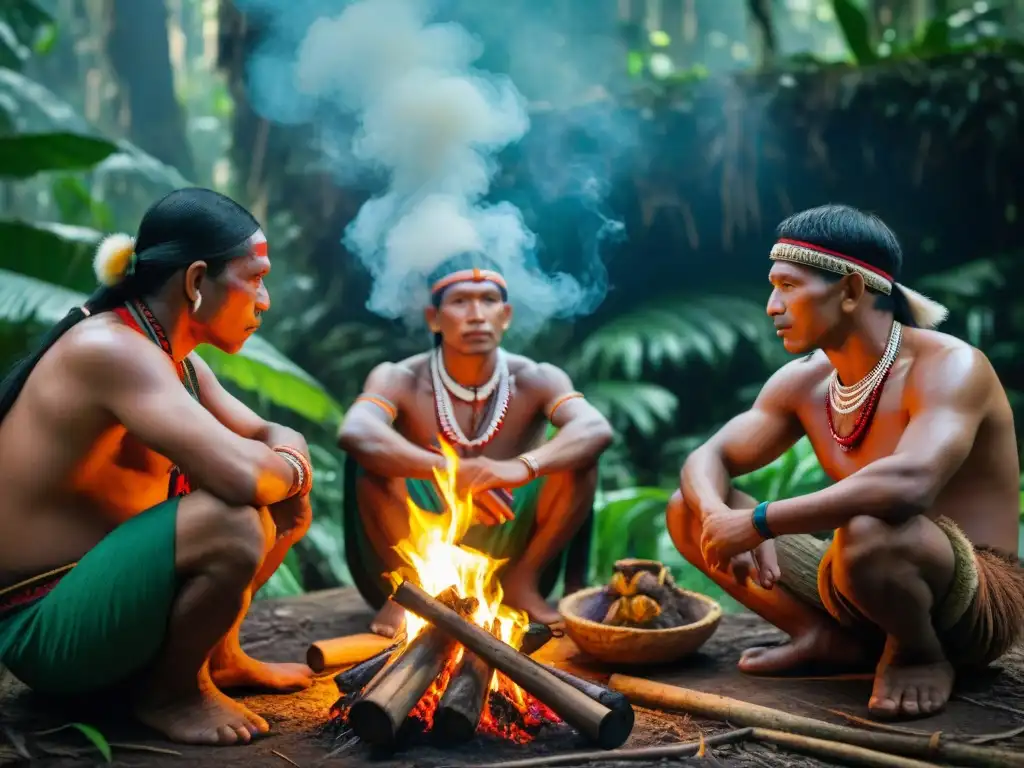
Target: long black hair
859, 235
187, 225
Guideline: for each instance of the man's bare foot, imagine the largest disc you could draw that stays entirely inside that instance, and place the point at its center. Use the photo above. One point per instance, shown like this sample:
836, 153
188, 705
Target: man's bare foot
821, 650
205, 717
241, 671
389, 620
904, 689
521, 595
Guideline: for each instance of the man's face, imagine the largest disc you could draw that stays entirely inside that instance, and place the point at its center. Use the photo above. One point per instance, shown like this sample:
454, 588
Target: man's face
234, 301
805, 307
472, 317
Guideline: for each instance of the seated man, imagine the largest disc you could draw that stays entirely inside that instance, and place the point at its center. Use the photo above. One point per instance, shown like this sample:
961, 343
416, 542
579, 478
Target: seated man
143, 505
531, 496
921, 576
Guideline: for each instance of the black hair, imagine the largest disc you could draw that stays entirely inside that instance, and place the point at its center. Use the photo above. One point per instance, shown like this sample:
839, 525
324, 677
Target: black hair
859, 235
458, 263
185, 226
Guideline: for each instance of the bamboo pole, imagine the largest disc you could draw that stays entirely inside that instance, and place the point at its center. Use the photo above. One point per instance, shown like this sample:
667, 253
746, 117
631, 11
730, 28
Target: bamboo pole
713, 707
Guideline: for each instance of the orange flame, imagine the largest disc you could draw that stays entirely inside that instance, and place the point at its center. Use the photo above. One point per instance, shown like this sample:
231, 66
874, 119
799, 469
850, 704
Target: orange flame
436, 559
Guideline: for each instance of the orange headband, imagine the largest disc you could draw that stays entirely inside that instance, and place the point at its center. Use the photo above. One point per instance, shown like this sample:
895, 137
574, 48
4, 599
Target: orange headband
469, 275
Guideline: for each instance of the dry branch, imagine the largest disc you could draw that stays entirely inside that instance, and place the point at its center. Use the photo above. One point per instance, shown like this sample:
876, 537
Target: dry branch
685, 749
722, 708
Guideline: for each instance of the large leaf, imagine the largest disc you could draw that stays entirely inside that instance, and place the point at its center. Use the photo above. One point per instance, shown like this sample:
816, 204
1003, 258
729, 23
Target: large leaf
48, 251
258, 366
634, 403
24, 155
262, 368
853, 22
674, 332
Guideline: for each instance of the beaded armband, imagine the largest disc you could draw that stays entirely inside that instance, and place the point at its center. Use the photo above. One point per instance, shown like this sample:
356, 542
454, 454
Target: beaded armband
303, 482
562, 401
381, 402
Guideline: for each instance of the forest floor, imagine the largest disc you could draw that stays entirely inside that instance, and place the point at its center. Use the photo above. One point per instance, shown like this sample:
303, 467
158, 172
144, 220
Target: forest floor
991, 706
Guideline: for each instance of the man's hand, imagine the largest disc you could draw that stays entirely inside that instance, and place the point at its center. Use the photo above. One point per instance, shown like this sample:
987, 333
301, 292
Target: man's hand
292, 516
479, 474
726, 534
760, 565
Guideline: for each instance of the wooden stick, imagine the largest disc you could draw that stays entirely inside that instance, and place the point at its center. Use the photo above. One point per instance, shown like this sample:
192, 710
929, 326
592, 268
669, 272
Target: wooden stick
708, 705
595, 721
684, 749
845, 753
342, 651
354, 679
388, 699
458, 713
615, 701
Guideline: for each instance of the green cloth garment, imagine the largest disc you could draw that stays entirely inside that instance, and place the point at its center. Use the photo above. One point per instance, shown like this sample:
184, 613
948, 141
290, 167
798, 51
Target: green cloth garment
507, 540
106, 619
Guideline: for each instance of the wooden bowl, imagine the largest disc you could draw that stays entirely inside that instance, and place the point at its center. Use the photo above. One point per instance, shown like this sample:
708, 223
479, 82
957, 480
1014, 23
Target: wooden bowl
630, 645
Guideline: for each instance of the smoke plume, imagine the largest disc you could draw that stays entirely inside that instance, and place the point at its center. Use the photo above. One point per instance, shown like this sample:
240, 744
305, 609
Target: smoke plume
431, 123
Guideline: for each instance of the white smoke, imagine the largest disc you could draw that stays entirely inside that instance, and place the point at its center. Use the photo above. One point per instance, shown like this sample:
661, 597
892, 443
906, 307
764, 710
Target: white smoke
434, 125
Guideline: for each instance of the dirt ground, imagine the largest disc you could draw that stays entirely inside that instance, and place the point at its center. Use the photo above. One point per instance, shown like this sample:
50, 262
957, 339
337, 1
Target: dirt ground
992, 705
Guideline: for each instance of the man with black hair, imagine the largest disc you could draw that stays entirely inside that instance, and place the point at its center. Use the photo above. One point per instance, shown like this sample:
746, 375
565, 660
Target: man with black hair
920, 576
143, 504
493, 408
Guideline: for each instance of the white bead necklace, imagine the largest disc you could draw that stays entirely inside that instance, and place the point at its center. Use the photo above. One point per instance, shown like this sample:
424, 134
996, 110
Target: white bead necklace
445, 410
483, 392
847, 399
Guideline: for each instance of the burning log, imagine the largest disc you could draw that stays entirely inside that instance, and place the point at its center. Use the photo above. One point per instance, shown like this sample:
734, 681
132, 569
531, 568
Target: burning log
459, 711
614, 700
355, 678
388, 699
342, 651
602, 725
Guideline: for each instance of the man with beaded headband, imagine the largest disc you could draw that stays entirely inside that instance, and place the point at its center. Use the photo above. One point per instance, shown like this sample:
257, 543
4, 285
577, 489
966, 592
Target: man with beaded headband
917, 576
143, 504
494, 409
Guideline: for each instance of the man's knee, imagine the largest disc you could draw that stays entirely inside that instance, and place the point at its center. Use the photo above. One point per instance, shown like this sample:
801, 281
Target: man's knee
872, 553
213, 535
684, 527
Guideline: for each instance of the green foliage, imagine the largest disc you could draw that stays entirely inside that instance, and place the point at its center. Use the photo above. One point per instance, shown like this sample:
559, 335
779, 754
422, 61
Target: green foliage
24, 155
856, 29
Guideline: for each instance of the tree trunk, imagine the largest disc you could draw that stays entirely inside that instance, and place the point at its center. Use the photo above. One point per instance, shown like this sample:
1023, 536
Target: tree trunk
139, 54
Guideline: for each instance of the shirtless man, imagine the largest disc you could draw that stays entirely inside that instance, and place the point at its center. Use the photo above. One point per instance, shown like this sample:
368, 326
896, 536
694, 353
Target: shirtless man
531, 496
920, 577
142, 504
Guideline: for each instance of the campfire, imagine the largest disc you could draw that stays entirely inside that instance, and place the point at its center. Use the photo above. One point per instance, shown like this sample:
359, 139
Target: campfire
460, 667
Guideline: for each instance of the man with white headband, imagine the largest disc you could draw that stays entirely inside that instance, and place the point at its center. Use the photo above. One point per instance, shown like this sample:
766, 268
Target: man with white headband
531, 495
918, 576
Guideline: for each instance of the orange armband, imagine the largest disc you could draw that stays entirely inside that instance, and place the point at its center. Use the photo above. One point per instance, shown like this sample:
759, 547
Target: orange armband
383, 403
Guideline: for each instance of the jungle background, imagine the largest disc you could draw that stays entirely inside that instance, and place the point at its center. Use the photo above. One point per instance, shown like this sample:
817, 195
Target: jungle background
702, 124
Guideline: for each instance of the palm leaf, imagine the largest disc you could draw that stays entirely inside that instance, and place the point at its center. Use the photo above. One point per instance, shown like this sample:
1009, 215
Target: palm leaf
673, 332
638, 404
51, 252
258, 366
24, 155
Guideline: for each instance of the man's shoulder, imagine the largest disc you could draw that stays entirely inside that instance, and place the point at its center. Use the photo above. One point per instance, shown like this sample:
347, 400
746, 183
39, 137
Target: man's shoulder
531, 372
102, 341
403, 372
945, 361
